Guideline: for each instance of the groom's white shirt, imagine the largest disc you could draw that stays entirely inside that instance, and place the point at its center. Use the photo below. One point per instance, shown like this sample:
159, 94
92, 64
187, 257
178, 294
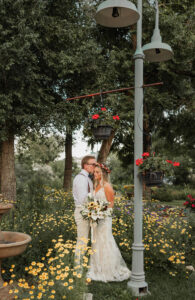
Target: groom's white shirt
80, 187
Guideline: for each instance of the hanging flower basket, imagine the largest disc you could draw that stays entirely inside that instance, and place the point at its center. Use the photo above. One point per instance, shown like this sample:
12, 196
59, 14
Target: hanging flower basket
102, 132
153, 167
153, 178
101, 124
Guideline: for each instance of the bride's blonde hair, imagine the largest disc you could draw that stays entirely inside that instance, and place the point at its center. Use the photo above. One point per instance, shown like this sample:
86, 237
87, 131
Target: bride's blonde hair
104, 175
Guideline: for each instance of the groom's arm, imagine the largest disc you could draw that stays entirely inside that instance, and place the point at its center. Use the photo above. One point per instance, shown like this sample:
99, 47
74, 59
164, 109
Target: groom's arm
80, 189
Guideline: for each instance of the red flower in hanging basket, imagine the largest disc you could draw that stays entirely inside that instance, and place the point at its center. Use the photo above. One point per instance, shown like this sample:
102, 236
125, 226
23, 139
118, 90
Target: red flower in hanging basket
103, 109
139, 161
95, 117
146, 154
116, 117
169, 161
176, 164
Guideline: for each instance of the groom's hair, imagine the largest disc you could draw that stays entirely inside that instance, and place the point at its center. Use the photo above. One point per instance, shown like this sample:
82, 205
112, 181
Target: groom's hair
86, 159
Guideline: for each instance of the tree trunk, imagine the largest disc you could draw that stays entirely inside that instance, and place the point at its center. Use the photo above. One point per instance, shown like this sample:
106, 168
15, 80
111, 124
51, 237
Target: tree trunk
68, 163
0, 163
105, 149
8, 178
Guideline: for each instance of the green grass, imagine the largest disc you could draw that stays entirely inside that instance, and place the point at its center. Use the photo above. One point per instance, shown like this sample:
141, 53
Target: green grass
174, 203
161, 287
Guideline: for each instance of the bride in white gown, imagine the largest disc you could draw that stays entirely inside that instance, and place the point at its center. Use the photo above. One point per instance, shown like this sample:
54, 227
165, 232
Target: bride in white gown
106, 264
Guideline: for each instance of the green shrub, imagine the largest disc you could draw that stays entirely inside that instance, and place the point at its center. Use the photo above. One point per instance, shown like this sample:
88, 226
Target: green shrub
162, 194
171, 193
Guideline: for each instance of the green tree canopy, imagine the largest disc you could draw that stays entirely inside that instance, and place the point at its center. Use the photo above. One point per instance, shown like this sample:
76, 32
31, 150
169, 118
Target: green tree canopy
39, 148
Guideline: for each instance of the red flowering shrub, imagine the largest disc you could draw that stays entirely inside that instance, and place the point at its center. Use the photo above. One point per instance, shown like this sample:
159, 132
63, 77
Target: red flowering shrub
190, 202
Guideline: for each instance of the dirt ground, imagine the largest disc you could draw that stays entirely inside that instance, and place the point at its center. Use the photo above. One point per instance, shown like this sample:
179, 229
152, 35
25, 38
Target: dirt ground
4, 293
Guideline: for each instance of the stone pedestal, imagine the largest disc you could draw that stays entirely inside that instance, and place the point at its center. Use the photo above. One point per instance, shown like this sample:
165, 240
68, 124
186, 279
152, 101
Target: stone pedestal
88, 296
138, 288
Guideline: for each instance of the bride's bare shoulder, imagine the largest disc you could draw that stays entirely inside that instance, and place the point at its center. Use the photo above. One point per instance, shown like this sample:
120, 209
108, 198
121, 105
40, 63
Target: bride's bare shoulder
108, 187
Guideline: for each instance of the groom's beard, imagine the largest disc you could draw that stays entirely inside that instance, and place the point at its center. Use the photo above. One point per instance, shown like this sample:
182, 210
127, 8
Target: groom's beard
91, 176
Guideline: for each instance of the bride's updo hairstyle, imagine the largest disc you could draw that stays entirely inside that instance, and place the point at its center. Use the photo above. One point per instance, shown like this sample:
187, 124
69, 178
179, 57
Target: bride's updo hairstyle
105, 171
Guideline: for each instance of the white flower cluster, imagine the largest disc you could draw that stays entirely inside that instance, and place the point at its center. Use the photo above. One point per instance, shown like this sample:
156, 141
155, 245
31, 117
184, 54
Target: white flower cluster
95, 210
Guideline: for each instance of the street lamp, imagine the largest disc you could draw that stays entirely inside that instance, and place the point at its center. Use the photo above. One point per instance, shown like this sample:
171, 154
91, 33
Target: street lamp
116, 13
122, 13
157, 51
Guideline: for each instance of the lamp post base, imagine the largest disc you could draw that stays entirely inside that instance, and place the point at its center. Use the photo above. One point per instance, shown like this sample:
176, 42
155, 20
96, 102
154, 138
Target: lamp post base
138, 288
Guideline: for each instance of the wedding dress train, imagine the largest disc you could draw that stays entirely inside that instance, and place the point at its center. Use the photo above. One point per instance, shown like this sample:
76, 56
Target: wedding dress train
106, 264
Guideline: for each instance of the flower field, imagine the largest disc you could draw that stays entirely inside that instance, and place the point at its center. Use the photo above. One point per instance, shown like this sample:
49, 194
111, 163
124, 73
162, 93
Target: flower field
46, 270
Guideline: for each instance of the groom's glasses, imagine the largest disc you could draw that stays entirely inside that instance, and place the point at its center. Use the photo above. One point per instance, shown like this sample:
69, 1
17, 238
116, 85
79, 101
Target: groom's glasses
91, 164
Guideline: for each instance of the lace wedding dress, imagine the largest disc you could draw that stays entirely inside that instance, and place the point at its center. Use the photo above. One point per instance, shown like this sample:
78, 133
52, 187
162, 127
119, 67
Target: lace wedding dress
106, 264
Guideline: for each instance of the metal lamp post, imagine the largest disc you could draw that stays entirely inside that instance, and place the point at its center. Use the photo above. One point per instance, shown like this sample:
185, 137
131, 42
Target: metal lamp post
121, 13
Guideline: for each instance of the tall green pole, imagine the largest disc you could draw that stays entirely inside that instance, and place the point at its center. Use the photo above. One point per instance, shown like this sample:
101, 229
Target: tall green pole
137, 282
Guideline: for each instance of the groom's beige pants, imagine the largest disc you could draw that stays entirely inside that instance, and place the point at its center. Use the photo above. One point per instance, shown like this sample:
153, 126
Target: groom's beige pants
82, 235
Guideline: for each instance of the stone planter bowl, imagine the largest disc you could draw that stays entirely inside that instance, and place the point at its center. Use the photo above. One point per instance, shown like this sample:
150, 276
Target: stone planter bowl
13, 243
4, 208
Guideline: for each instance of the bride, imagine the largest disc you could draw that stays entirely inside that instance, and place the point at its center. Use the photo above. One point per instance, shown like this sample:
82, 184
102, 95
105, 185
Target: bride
106, 262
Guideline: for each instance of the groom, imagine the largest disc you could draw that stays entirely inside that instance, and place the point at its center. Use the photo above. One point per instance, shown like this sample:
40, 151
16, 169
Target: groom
82, 185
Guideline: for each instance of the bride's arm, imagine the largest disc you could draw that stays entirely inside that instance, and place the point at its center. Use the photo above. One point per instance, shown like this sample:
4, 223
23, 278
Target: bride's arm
109, 194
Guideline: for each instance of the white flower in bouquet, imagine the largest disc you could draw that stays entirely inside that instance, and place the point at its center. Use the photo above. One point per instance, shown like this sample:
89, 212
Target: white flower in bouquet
95, 210
89, 195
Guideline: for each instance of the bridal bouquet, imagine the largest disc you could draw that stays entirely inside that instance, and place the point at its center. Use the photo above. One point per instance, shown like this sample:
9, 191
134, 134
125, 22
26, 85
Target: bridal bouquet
95, 210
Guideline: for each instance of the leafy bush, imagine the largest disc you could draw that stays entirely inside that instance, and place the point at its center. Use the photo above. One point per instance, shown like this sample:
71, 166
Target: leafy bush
128, 190
167, 193
162, 194
120, 175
